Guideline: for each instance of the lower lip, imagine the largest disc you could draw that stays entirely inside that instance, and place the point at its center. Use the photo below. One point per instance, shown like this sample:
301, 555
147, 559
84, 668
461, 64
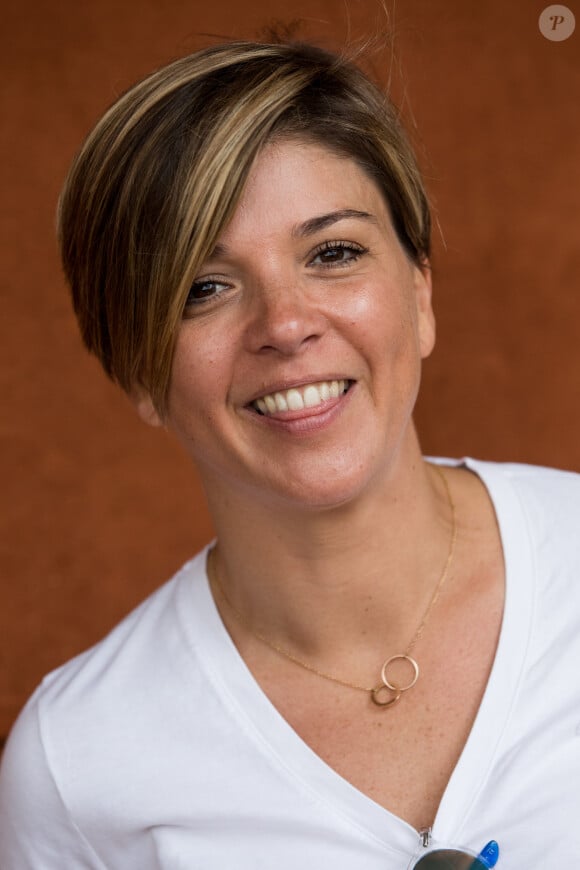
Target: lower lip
307, 420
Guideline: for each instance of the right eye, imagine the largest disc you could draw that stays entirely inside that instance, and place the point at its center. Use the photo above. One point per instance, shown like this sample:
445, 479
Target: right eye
205, 291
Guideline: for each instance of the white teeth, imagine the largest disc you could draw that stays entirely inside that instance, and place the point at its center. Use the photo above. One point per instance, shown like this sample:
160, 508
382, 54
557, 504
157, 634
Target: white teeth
298, 398
311, 397
295, 401
281, 403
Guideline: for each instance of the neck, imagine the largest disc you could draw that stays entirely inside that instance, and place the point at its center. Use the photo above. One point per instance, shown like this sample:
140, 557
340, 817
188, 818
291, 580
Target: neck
321, 582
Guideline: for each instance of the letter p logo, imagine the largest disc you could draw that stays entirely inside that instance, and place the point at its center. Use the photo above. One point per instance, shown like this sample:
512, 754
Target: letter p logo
557, 23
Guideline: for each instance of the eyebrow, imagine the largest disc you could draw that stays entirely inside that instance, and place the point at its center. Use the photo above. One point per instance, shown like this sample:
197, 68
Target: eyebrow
321, 222
311, 226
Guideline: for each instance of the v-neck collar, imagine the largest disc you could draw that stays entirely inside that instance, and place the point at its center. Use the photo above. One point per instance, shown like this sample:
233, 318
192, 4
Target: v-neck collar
472, 770
295, 760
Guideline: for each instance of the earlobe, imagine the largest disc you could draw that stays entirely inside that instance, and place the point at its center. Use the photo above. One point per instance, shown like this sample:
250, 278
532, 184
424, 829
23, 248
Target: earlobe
143, 404
425, 314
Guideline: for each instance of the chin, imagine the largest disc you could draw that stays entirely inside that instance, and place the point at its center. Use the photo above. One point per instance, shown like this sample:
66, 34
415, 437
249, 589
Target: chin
335, 491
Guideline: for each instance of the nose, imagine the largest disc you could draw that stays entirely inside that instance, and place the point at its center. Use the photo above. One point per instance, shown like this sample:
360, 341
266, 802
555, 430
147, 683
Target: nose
283, 320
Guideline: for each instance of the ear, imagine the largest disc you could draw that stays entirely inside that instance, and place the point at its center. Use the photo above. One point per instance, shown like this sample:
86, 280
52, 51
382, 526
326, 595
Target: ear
425, 315
143, 404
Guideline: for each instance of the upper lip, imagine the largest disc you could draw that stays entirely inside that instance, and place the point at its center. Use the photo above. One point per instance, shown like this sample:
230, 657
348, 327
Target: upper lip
282, 385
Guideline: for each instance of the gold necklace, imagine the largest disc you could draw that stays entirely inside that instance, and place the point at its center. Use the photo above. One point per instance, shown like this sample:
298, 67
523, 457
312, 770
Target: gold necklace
387, 692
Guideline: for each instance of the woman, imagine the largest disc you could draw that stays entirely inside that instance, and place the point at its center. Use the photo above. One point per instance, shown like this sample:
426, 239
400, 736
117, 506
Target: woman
374, 664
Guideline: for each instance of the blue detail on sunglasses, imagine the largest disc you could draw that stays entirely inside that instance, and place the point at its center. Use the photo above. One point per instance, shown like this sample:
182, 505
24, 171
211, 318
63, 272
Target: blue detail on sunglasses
489, 855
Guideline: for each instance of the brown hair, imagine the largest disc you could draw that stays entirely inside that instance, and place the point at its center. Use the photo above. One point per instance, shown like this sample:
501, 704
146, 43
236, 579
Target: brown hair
160, 175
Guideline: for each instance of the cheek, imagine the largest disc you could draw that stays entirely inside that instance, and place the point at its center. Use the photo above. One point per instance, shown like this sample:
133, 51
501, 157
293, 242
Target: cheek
198, 376
382, 317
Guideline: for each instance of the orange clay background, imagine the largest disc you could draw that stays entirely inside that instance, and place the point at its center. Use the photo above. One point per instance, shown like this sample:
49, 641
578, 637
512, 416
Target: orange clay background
98, 509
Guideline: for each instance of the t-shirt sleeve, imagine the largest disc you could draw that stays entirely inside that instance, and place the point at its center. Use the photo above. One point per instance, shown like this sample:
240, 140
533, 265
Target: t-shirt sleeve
36, 829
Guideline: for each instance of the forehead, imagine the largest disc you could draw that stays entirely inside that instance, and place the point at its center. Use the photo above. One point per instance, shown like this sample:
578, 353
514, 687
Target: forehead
292, 182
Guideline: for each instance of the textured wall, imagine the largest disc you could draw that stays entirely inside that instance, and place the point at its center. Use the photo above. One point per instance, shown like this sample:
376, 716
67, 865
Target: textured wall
98, 509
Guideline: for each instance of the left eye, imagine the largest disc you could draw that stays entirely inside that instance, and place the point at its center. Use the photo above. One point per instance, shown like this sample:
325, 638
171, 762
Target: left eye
336, 254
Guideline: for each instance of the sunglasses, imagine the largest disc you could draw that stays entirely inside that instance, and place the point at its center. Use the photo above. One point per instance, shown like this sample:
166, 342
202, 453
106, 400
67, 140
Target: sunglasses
456, 859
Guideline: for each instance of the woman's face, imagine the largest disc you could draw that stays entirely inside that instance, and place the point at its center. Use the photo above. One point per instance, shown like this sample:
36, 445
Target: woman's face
297, 364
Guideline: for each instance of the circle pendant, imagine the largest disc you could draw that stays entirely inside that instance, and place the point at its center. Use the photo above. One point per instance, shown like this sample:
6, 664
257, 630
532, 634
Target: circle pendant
392, 699
400, 657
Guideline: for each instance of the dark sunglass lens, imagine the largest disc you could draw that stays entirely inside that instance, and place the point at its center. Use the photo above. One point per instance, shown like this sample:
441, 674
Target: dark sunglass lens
449, 859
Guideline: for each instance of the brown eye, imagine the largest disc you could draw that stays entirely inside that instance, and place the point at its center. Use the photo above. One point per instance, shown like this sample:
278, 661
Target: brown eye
337, 254
204, 291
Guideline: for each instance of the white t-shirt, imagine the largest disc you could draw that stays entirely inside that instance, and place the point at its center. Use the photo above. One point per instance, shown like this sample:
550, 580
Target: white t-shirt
158, 749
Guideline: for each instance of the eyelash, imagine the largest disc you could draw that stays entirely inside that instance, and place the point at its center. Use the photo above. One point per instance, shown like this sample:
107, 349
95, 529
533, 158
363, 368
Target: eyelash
356, 251
197, 285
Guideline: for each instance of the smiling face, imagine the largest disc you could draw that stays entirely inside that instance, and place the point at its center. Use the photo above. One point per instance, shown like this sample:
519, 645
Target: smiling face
297, 363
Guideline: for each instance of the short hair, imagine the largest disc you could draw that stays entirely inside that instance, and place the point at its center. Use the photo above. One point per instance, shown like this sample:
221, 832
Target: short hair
159, 177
